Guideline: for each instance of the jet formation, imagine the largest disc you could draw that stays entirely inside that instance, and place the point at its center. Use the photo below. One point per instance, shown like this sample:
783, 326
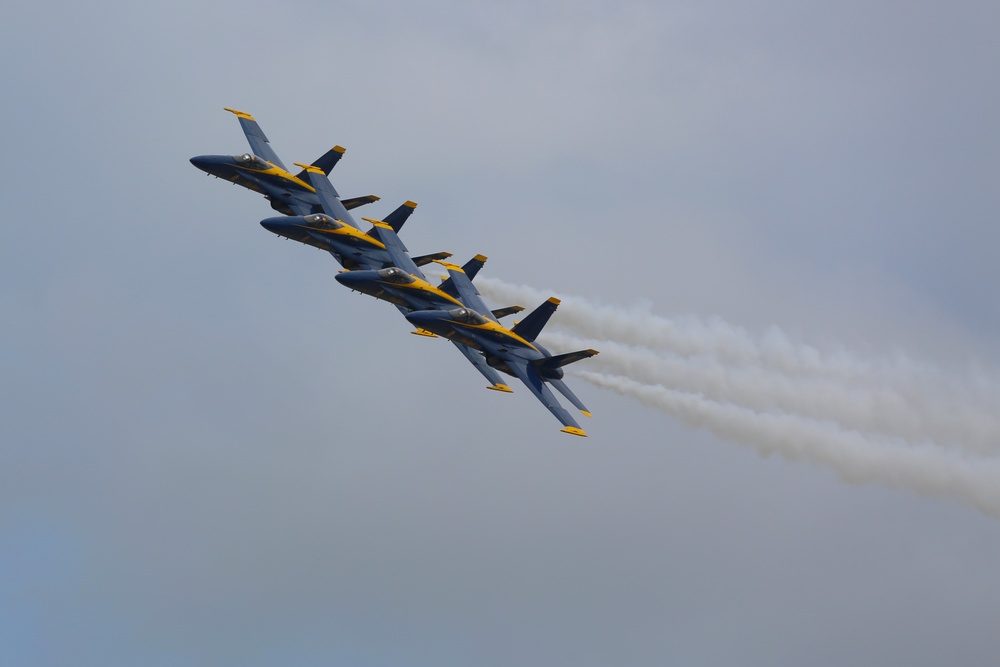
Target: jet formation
375, 262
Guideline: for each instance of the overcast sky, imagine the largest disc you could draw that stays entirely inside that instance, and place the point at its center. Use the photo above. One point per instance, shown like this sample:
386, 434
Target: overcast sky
213, 454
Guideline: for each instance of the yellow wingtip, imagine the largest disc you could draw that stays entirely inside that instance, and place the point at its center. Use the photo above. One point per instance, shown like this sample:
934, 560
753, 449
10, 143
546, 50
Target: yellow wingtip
339, 149
480, 258
241, 114
586, 414
410, 204
448, 265
572, 430
424, 332
554, 301
501, 387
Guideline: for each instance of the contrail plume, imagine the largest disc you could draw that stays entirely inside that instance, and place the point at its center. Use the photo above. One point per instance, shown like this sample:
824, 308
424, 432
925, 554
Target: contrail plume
689, 335
875, 410
890, 420
896, 395
733, 345
857, 458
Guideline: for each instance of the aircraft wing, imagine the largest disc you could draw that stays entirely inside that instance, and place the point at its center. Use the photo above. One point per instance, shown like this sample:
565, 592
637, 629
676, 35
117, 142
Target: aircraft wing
530, 377
570, 396
394, 246
328, 197
467, 292
258, 140
477, 360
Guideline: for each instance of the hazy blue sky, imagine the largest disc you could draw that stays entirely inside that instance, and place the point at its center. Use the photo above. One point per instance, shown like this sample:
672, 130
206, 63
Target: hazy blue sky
213, 454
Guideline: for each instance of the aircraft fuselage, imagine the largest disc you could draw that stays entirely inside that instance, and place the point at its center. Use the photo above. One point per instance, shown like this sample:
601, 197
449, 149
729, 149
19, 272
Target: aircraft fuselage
287, 193
400, 288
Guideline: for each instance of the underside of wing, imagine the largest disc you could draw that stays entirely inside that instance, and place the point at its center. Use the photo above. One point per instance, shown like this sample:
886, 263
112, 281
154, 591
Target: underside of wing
477, 360
530, 377
570, 396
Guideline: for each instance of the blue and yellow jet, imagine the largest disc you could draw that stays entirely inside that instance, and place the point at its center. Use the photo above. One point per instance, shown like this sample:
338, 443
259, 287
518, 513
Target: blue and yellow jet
513, 351
335, 231
406, 286
262, 171
378, 254
457, 312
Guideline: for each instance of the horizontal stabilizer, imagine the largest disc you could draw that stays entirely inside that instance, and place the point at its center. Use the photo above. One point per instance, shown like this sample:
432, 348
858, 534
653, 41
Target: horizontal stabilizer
424, 260
399, 216
355, 202
532, 325
560, 360
504, 312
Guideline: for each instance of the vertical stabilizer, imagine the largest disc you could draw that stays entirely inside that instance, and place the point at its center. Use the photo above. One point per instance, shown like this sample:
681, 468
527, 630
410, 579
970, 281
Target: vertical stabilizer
532, 325
400, 215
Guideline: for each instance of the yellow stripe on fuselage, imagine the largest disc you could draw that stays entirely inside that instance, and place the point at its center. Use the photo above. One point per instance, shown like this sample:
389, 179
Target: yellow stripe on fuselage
424, 286
280, 173
355, 234
496, 328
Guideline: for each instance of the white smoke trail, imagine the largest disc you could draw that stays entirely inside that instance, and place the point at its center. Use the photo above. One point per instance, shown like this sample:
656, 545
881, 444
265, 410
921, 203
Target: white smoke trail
688, 335
875, 410
895, 396
856, 458
889, 420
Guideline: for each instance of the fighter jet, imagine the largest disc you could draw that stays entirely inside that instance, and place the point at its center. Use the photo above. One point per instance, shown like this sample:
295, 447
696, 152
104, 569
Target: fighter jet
405, 285
335, 231
262, 171
458, 313
513, 351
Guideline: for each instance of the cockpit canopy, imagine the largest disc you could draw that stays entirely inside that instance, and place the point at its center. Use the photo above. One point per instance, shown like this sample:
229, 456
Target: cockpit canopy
251, 162
467, 316
321, 221
395, 276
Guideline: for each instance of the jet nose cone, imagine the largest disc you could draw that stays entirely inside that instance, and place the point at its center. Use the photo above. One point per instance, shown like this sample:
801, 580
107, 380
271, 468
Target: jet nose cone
216, 165
278, 226
345, 278
201, 161
354, 278
421, 318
